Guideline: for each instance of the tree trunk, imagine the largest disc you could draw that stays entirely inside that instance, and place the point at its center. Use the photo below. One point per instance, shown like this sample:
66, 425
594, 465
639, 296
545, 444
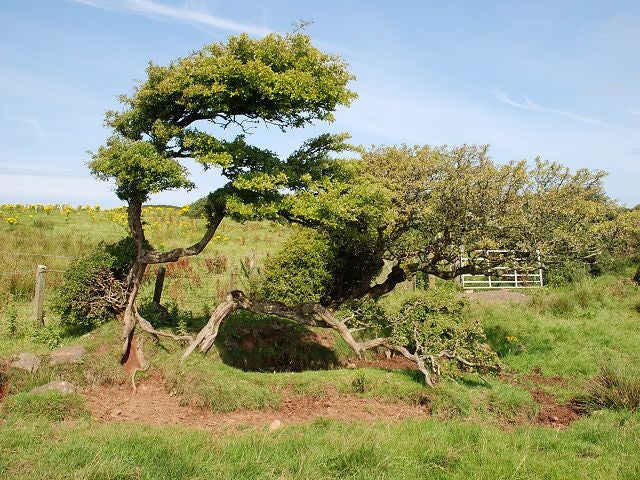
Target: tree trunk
131, 316
307, 314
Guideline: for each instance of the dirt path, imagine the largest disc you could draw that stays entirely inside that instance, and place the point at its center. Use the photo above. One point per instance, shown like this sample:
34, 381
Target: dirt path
152, 405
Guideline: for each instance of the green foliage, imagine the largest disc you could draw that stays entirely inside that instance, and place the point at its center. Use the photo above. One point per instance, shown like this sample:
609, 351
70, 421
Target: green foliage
52, 406
12, 318
300, 272
276, 80
93, 288
569, 271
283, 80
138, 169
49, 335
435, 321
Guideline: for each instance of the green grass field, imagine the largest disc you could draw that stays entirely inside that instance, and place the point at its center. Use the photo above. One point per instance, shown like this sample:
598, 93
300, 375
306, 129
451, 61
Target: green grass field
559, 341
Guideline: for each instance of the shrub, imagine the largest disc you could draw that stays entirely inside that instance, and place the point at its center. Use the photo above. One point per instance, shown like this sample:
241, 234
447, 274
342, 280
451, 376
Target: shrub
299, 272
566, 273
435, 321
93, 288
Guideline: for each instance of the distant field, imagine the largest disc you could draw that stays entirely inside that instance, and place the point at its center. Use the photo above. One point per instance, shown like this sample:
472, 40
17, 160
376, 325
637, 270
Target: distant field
55, 235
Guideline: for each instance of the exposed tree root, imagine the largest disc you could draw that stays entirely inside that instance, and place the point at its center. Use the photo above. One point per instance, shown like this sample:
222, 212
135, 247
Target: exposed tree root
312, 314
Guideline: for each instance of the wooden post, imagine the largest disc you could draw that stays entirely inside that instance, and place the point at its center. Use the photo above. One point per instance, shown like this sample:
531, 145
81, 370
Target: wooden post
233, 279
38, 316
432, 281
157, 292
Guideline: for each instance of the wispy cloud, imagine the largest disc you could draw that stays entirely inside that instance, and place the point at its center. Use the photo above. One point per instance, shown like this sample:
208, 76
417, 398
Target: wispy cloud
39, 132
634, 112
39, 172
186, 13
527, 104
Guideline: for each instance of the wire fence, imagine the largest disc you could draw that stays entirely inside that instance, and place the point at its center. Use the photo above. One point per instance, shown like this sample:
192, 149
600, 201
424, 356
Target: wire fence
194, 285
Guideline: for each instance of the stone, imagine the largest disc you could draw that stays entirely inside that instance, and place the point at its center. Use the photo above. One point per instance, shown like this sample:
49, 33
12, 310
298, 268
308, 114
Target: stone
27, 361
57, 386
71, 354
275, 425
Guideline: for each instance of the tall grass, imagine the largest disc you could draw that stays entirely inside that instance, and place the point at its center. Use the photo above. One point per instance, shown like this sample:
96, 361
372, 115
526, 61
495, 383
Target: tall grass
615, 387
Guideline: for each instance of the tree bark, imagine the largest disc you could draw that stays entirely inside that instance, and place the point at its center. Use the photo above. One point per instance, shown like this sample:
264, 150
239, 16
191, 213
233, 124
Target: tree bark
312, 314
144, 257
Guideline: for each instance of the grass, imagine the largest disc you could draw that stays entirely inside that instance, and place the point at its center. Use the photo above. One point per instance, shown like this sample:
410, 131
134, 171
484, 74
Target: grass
597, 324
606, 445
194, 285
52, 406
614, 388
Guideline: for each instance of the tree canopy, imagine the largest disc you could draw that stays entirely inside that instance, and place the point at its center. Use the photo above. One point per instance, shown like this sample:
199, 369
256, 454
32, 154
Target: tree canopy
180, 112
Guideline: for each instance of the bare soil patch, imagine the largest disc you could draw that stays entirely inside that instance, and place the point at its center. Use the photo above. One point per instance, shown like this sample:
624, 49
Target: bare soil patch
552, 413
396, 362
496, 296
153, 405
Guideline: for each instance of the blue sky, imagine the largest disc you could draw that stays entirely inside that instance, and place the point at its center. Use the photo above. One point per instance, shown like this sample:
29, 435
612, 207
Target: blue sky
559, 79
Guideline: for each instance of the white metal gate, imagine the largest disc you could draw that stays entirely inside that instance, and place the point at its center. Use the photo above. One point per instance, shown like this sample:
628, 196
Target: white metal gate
505, 277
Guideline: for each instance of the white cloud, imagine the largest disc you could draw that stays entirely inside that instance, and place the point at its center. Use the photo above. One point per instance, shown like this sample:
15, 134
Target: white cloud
38, 132
529, 105
187, 13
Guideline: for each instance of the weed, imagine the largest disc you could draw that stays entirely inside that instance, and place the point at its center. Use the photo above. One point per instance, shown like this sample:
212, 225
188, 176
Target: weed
12, 318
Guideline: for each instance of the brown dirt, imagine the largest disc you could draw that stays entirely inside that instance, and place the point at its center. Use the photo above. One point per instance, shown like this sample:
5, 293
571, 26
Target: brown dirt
496, 296
552, 413
152, 405
396, 362
537, 378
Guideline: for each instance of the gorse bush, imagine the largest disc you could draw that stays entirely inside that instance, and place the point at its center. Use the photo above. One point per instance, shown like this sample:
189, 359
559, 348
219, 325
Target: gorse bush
94, 288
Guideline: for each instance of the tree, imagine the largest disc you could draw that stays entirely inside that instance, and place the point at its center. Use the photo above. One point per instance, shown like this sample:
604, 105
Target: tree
180, 111
413, 209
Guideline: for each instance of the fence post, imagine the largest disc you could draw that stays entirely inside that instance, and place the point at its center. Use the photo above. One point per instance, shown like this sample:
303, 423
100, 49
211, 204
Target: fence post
38, 317
157, 292
233, 280
432, 281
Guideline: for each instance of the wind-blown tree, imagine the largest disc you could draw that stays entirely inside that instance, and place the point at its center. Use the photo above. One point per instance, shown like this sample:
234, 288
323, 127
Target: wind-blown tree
181, 111
413, 209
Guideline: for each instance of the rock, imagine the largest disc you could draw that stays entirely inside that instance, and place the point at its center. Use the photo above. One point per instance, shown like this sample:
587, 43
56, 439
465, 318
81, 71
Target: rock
351, 365
27, 361
71, 354
57, 385
275, 425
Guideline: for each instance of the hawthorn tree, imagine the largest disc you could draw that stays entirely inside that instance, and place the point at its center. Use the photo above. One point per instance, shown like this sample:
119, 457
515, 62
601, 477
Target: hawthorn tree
413, 209
180, 112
